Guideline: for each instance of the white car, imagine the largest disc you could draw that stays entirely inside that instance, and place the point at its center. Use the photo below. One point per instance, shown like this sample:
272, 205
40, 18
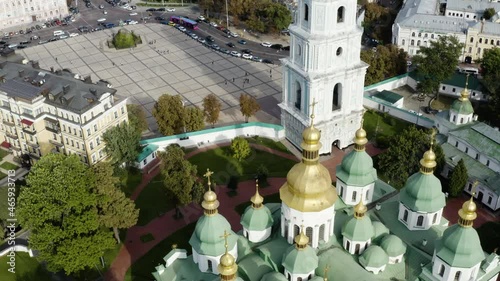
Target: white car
63, 36
133, 14
213, 24
170, 9
201, 18
182, 28
133, 22
73, 34
101, 20
266, 44
234, 34
413, 111
235, 54
105, 12
247, 56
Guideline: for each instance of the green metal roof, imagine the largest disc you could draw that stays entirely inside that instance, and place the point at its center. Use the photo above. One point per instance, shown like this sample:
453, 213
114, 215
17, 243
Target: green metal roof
374, 256
300, 261
274, 276
458, 80
206, 238
393, 245
257, 219
184, 269
379, 231
253, 267
422, 193
482, 137
475, 169
462, 107
460, 247
273, 250
356, 169
388, 96
358, 229
146, 151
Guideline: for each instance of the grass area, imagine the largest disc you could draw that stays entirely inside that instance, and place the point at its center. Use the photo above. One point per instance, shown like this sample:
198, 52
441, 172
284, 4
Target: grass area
129, 181
147, 237
153, 201
142, 268
3, 153
276, 145
224, 166
489, 234
443, 102
26, 269
2, 175
378, 124
273, 198
188, 150
9, 166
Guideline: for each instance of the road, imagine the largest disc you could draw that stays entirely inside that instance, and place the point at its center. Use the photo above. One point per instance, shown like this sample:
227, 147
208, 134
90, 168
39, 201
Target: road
89, 16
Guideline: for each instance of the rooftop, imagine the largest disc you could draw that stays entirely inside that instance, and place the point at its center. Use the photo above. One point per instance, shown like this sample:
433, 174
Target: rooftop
388, 96
481, 137
472, 6
487, 27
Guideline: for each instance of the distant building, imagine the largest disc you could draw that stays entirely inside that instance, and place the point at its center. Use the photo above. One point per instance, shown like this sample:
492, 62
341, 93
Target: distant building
52, 112
481, 36
23, 12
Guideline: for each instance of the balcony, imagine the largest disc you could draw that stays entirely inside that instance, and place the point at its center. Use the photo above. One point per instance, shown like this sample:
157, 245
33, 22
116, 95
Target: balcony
29, 130
28, 126
34, 155
8, 123
15, 148
33, 144
56, 143
11, 135
52, 125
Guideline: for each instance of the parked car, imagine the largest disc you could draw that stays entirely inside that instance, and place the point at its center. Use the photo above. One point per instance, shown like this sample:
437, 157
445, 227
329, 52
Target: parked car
268, 61
246, 51
215, 47
266, 44
210, 39
161, 10
230, 44
73, 34
170, 9
151, 10
235, 54
277, 46
213, 24
242, 42
247, 56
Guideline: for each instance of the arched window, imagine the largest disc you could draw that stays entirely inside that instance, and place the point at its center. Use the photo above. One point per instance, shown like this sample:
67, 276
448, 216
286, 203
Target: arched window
461, 120
298, 95
420, 220
413, 34
405, 215
457, 275
412, 42
299, 50
322, 232
418, 43
296, 230
454, 118
340, 14
403, 42
289, 277
354, 195
210, 269
299, 278
356, 250
434, 219
347, 245
306, 12
341, 191
432, 36
309, 234
367, 193
337, 92
441, 271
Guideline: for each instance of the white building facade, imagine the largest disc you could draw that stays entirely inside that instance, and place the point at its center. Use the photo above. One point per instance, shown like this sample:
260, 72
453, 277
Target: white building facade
23, 12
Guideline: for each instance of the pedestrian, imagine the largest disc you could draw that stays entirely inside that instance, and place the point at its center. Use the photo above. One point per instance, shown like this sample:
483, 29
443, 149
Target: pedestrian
270, 71
168, 51
271, 76
246, 73
212, 62
56, 59
113, 63
225, 82
233, 79
154, 42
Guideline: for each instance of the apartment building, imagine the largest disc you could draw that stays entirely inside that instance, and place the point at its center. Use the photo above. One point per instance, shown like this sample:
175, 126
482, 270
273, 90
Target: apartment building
21, 12
481, 36
52, 112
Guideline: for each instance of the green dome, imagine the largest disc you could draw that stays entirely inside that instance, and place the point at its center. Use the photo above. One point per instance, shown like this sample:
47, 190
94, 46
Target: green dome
357, 169
257, 219
462, 107
274, 276
374, 256
393, 245
206, 238
422, 193
460, 247
379, 230
300, 261
358, 229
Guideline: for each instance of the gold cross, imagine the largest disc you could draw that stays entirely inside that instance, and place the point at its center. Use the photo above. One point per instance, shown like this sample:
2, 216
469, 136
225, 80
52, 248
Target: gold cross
433, 134
474, 185
225, 236
327, 268
207, 175
312, 105
467, 81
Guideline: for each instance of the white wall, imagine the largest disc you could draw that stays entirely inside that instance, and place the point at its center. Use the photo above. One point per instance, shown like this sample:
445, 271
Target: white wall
361, 193
411, 221
202, 260
256, 236
449, 272
363, 245
455, 91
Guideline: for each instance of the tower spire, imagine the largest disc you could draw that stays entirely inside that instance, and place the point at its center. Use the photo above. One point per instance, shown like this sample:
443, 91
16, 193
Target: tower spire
325, 273
464, 95
468, 212
360, 139
301, 240
360, 210
312, 105
257, 199
310, 144
428, 161
227, 265
210, 202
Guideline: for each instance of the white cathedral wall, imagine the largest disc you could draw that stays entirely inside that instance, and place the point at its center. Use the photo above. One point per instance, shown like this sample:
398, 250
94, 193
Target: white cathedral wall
296, 276
396, 259
375, 270
257, 235
203, 260
412, 220
444, 272
460, 119
292, 220
351, 195
350, 245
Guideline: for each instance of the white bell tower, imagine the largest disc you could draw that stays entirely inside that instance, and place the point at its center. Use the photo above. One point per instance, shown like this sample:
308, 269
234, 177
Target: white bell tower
324, 64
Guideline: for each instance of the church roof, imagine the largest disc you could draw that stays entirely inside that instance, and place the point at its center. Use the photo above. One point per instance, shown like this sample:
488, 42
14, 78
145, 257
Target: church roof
460, 247
374, 256
462, 107
423, 193
257, 219
393, 245
300, 261
481, 137
207, 239
358, 229
253, 267
356, 169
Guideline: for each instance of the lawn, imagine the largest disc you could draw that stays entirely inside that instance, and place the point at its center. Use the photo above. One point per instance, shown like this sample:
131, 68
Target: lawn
273, 198
9, 166
276, 145
26, 269
129, 180
3, 153
142, 268
153, 201
378, 124
224, 166
443, 102
2, 175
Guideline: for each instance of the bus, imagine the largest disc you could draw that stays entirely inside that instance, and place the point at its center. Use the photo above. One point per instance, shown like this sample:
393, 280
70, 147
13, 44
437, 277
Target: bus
185, 22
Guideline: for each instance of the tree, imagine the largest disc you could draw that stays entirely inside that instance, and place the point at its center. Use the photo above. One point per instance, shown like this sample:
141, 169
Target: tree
137, 117
240, 148
194, 119
458, 178
179, 176
278, 15
169, 114
437, 63
402, 158
248, 106
387, 61
59, 206
115, 209
125, 39
491, 81
211, 108
489, 13
122, 144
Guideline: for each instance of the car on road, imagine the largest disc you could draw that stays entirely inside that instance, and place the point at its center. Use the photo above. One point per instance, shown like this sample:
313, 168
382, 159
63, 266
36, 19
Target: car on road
257, 59
88, 4
159, 18
161, 10
267, 61
201, 40
63, 36
201, 18
246, 51
235, 54
24, 42
266, 44
165, 22
101, 6
242, 42
209, 39
73, 34
225, 51
151, 10
230, 44
247, 56
276, 46
34, 37
101, 20
181, 28
215, 47
213, 24
416, 113
170, 10
41, 42
133, 14
233, 34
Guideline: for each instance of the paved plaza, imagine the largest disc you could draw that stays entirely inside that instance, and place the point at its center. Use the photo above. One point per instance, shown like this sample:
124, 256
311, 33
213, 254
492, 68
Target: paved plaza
174, 64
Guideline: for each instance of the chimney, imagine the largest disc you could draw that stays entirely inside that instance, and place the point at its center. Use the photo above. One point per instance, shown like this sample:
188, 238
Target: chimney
35, 64
65, 89
21, 73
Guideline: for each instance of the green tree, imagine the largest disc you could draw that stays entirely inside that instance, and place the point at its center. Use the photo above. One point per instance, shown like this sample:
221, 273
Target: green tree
137, 117
255, 23
212, 107
179, 176
458, 179
489, 13
437, 63
169, 114
386, 61
278, 15
122, 144
59, 206
194, 119
125, 39
240, 148
115, 209
402, 158
248, 106
491, 81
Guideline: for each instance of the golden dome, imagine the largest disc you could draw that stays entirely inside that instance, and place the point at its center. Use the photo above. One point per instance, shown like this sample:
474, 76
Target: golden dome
210, 202
360, 139
464, 95
227, 260
311, 135
227, 265
257, 199
301, 240
428, 161
360, 210
210, 196
467, 213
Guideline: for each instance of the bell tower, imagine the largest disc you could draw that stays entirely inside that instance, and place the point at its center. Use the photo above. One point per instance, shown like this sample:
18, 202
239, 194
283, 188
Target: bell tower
324, 64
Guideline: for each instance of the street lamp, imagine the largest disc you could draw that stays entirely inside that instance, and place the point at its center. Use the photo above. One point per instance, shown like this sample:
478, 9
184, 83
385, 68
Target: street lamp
227, 17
